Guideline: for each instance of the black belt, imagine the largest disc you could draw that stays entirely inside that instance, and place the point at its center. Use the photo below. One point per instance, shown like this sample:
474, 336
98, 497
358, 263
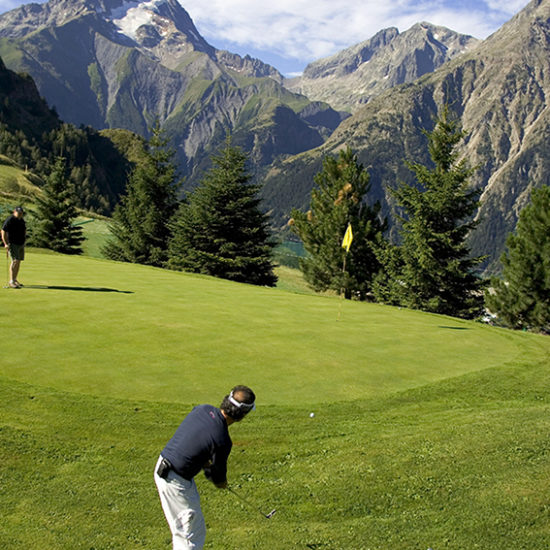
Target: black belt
165, 467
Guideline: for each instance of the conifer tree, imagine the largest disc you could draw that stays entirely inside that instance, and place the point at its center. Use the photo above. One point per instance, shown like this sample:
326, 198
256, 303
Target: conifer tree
339, 199
220, 230
56, 212
140, 227
521, 299
433, 267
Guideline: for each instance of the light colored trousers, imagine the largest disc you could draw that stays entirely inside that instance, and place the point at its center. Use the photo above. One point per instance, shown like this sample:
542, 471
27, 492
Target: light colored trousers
182, 508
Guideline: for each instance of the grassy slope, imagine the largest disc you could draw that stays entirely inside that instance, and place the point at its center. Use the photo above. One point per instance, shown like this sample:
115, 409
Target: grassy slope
429, 432
15, 183
96, 233
135, 321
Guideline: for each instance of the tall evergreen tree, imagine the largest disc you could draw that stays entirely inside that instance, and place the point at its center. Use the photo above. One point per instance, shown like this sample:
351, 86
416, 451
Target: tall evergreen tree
140, 226
433, 269
221, 230
56, 212
339, 199
521, 299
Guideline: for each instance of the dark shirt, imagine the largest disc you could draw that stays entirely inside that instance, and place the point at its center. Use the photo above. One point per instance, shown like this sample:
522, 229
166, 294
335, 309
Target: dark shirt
201, 438
16, 230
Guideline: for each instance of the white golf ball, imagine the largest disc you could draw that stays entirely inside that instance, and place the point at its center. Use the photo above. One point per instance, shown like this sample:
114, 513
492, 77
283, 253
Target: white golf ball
311, 415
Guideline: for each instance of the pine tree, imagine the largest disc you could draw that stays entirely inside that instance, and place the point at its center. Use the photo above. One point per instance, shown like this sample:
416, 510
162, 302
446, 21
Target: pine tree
56, 212
140, 226
220, 230
339, 199
435, 271
521, 299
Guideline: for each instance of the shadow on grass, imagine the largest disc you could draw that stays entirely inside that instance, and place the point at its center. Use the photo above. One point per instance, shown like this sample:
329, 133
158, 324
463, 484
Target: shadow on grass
78, 288
454, 328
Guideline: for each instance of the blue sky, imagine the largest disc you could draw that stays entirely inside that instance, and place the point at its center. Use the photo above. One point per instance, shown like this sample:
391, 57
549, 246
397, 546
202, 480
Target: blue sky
288, 34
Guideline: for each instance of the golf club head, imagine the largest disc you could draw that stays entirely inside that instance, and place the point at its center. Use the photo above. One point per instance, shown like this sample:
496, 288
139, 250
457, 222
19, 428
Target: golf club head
270, 515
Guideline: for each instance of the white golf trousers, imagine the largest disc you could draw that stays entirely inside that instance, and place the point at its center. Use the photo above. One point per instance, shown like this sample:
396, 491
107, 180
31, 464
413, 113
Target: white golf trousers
182, 508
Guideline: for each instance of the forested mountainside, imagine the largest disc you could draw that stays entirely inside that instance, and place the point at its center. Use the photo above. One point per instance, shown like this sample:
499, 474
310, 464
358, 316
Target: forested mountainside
32, 135
116, 64
499, 90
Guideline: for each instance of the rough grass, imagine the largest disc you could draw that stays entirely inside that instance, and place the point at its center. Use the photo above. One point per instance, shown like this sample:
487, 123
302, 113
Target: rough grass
428, 431
16, 183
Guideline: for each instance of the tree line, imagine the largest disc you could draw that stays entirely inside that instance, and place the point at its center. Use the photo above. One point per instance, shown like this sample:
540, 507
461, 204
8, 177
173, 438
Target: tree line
219, 229
431, 268
90, 160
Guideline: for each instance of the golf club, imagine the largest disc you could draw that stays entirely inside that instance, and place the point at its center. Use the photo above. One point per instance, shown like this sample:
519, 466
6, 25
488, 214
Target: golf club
7, 285
267, 516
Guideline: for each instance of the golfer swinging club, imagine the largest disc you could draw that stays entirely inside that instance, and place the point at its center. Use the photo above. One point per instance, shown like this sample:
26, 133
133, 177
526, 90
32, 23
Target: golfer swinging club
201, 442
14, 233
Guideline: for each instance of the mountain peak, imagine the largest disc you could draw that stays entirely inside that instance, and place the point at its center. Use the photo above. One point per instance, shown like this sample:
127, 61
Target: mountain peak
144, 22
353, 76
351, 58
148, 21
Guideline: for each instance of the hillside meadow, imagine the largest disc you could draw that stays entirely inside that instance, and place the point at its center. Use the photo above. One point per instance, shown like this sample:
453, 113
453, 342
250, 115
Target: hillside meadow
429, 432
17, 186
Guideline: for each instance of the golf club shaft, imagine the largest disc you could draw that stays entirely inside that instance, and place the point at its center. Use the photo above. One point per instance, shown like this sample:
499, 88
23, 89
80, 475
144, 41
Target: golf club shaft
248, 503
7, 268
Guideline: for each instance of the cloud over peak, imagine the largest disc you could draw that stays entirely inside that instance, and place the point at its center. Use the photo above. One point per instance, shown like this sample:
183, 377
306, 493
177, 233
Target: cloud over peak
304, 31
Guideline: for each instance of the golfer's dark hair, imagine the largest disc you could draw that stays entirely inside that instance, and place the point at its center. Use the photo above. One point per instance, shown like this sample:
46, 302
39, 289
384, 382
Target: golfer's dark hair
240, 394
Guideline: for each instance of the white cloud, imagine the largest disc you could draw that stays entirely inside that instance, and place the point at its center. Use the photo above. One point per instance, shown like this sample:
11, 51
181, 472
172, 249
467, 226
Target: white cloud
295, 32
510, 7
305, 31
6, 5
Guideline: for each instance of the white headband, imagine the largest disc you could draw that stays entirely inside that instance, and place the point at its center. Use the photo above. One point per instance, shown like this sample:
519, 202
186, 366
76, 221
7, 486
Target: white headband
246, 406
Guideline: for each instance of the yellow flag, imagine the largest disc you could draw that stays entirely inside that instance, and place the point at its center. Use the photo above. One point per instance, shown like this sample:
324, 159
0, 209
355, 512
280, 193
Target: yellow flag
348, 237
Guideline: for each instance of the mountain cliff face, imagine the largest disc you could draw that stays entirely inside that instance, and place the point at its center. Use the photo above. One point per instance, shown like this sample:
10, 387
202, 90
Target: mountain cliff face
500, 90
33, 136
352, 77
111, 63
21, 107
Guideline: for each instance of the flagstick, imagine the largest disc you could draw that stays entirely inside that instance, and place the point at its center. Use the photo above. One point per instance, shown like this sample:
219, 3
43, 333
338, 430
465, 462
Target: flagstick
346, 243
343, 287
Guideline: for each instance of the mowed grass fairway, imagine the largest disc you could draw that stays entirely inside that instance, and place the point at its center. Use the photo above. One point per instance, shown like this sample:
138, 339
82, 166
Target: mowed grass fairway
429, 432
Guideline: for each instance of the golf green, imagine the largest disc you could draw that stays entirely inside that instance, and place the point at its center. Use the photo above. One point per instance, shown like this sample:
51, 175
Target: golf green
428, 431
128, 331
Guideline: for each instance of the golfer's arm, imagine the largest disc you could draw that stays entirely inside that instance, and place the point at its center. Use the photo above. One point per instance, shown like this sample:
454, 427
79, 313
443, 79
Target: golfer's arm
4, 238
218, 470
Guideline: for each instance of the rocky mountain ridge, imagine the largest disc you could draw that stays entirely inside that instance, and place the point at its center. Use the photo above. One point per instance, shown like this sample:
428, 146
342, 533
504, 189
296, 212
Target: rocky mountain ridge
500, 91
109, 63
352, 77
160, 27
115, 64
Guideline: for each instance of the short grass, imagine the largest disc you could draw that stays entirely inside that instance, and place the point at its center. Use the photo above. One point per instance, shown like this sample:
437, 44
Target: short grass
429, 432
96, 233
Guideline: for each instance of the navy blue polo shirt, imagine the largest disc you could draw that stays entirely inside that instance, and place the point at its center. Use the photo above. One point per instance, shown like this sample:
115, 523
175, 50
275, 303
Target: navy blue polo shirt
202, 438
16, 230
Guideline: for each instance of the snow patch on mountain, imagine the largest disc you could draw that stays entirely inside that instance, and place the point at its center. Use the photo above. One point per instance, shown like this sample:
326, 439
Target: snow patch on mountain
129, 17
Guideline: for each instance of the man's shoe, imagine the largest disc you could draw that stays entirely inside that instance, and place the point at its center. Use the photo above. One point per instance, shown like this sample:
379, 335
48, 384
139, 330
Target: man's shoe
13, 285
19, 285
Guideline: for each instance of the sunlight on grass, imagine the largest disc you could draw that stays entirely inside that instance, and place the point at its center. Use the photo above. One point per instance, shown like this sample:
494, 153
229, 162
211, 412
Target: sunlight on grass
429, 431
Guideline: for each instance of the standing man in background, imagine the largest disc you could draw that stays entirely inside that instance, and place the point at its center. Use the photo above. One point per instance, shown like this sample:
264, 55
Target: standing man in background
201, 442
14, 234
